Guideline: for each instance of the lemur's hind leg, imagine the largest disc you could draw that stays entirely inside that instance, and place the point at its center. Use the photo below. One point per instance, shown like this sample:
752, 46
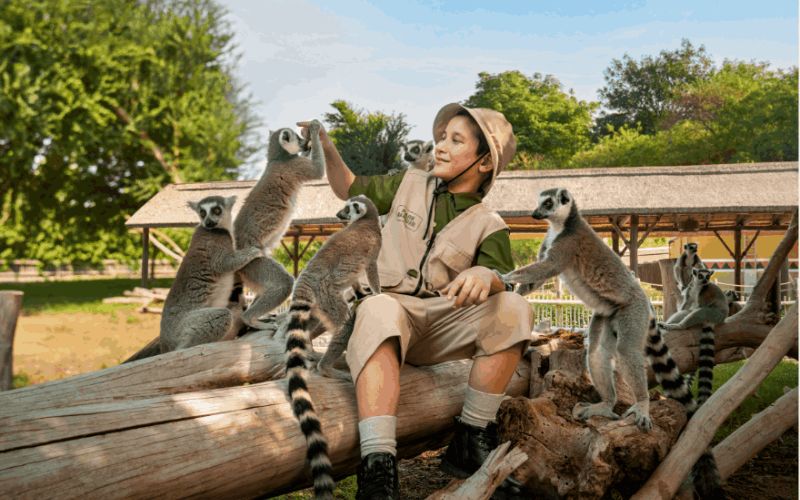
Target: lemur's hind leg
631, 325
272, 285
599, 360
339, 320
202, 326
697, 317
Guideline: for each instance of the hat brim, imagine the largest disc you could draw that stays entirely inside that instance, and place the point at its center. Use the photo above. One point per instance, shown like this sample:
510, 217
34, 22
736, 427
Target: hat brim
444, 116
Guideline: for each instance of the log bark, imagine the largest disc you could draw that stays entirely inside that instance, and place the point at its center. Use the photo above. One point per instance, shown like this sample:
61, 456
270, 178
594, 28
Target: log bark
229, 442
762, 429
10, 305
666, 480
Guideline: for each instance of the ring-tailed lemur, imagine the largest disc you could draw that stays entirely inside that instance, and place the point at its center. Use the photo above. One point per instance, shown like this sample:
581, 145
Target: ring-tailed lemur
621, 311
706, 306
682, 270
195, 310
733, 298
416, 154
317, 296
267, 212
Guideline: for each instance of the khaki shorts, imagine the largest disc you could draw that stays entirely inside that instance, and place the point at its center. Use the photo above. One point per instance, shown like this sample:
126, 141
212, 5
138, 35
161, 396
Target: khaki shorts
430, 331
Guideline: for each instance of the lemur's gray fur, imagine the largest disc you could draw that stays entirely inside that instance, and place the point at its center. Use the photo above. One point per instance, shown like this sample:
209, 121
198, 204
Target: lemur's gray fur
622, 313
195, 311
266, 214
682, 270
416, 154
317, 296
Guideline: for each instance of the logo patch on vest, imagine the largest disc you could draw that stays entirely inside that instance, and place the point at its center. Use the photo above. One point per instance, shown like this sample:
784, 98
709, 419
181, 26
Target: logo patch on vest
411, 220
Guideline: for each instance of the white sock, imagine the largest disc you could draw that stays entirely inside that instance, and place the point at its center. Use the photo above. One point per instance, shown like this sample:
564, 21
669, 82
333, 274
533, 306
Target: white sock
480, 408
378, 435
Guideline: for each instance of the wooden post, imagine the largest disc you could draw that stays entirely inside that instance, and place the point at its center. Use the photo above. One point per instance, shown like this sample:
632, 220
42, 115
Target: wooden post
634, 244
669, 287
145, 256
10, 305
737, 257
615, 242
296, 255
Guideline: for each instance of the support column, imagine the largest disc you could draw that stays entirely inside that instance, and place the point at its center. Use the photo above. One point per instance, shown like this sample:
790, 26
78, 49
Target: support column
615, 242
145, 255
296, 255
737, 257
633, 240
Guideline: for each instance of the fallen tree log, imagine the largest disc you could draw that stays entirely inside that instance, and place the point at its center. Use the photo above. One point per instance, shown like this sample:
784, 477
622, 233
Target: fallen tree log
666, 480
235, 441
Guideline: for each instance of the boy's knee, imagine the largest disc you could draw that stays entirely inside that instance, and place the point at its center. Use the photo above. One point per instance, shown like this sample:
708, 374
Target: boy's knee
513, 305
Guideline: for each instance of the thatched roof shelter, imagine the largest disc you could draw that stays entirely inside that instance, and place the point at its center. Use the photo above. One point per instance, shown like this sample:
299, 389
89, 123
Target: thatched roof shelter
619, 201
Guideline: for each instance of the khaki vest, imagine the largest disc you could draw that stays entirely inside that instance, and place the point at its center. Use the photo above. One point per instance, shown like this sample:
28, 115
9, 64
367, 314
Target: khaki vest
404, 244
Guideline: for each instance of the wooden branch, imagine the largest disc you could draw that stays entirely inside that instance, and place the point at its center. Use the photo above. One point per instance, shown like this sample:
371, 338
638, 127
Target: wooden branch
697, 435
756, 302
156, 243
762, 429
230, 442
177, 248
480, 486
617, 229
10, 305
303, 251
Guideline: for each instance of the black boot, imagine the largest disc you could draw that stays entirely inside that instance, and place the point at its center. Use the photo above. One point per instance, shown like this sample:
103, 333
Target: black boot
469, 449
377, 478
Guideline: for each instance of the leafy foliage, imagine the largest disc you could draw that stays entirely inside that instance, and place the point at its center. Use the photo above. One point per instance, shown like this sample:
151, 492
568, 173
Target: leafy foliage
550, 124
638, 94
368, 142
101, 104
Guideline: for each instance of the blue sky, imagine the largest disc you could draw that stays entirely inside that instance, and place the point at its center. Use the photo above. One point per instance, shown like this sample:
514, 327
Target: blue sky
412, 57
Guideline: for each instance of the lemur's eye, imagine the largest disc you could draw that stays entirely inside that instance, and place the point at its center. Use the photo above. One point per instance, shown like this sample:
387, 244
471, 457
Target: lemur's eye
216, 211
548, 204
203, 214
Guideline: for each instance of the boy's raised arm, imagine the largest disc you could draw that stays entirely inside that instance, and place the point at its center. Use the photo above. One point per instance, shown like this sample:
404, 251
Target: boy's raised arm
339, 175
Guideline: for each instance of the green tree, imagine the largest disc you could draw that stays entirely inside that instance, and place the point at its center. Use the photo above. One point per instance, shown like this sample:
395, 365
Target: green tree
368, 142
101, 104
640, 93
550, 125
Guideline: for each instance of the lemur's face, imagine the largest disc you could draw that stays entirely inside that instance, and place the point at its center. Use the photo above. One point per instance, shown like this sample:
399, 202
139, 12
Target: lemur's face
354, 209
690, 248
554, 205
702, 276
214, 211
419, 154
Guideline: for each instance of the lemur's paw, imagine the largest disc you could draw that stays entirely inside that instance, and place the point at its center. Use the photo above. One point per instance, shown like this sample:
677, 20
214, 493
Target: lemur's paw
582, 411
641, 418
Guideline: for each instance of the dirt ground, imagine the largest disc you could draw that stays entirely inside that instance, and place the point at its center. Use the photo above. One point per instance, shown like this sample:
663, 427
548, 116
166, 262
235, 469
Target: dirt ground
56, 345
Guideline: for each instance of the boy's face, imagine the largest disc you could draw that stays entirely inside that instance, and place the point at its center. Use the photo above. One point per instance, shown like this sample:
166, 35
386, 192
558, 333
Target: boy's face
456, 150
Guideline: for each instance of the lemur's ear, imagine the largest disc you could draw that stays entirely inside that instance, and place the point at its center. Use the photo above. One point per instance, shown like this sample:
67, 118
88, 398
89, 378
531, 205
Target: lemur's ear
563, 196
694, 271
193, 205
230, 200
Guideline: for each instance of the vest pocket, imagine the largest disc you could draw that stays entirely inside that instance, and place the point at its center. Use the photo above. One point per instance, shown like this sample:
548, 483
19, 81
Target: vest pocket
445, 264
390, 278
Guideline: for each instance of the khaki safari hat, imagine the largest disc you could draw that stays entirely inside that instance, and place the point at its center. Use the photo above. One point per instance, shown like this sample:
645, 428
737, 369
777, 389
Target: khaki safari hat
495, 127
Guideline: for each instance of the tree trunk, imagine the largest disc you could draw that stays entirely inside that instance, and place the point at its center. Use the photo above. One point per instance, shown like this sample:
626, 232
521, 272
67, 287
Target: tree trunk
664, 483
10, 305
227, 442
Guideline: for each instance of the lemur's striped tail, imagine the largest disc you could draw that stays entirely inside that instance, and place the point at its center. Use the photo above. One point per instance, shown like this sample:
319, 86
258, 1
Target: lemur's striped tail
705, 475
666, 371
705, 363
297, 344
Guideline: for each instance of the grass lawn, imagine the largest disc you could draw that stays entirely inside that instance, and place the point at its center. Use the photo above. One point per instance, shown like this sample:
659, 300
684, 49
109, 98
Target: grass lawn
76, 296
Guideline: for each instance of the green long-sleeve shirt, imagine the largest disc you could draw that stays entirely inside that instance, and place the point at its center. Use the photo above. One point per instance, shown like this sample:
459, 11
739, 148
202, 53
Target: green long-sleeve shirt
495, 250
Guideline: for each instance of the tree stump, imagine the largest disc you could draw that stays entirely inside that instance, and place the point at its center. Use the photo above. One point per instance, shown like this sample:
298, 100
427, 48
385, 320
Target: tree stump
10, 305
572, 459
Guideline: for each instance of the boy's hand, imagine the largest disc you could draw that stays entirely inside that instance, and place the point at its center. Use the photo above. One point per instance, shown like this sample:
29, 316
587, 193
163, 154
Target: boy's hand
471, 286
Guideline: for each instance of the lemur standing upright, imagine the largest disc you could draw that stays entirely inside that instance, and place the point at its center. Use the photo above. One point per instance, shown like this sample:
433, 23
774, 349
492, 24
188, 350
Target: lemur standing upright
682, 270
317, 296
195, 310
621, 310
267, 212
